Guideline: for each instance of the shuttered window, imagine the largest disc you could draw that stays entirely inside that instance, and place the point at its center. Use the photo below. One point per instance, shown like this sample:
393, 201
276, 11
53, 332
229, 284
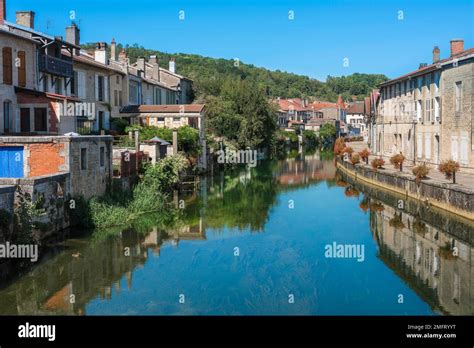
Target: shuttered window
7, 65
21, 69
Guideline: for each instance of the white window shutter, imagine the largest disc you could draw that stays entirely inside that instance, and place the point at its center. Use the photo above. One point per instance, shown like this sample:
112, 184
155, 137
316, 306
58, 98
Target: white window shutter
454, 148
96, 80
464, 150
428, 146
81, 84
106, 88
107, 120
419, 145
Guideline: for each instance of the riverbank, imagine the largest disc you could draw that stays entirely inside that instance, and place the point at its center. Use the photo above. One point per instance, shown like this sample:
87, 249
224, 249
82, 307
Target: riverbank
454, 198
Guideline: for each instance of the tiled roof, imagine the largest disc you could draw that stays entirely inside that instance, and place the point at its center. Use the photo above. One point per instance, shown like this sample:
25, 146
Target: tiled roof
356, 108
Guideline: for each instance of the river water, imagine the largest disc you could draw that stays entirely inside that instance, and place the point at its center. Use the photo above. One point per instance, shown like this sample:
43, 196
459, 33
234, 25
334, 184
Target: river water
289, 237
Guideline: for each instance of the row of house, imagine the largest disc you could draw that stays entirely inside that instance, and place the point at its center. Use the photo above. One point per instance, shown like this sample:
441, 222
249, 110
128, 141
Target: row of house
428, 113
348, 118
51, 86
298, 113
58, 103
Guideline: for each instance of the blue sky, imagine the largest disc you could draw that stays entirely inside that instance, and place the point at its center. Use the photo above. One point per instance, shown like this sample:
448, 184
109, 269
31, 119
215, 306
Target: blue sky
314, 43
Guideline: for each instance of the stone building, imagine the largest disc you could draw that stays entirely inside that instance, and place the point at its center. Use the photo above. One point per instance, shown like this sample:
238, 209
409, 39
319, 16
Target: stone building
86, 159
416, 113
33, 75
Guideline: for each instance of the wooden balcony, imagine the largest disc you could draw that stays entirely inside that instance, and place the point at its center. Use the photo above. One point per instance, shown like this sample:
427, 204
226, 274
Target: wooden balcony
55, 66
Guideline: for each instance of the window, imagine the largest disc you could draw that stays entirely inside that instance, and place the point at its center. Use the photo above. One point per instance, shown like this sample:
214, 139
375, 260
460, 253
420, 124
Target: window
133, 89
83, 159
437, 113
6, 117
7, 66
418, 110
22, 69
117, 80
58, 85
427, 110
161, 119
100, 87
73, 83
25, 120
157, 100
81, 84
116, 98
102, 156
41, 120
458, 97
45, 83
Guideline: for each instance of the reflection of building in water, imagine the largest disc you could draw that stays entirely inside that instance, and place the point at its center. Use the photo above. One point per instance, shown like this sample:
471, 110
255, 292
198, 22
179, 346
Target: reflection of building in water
424, 256
295, 171
67, 282
188, 232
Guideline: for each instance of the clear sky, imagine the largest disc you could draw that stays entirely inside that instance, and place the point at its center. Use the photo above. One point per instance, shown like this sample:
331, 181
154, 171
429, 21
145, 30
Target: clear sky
373, 34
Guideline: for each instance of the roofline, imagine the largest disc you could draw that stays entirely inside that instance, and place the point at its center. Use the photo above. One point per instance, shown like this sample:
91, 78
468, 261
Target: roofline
429, 68
32, 31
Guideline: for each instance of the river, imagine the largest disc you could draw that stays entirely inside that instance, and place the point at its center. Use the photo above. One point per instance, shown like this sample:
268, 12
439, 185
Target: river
289, 237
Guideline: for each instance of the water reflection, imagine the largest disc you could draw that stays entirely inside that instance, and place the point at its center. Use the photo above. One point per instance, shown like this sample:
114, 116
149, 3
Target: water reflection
141, 272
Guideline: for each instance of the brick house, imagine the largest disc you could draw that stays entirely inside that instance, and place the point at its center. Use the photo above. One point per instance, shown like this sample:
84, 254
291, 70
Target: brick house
86, 159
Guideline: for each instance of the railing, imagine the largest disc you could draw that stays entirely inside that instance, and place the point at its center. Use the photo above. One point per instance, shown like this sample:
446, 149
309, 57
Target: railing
84, 126
56, 66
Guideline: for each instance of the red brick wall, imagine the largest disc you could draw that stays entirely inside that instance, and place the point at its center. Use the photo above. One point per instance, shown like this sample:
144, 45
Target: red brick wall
3, 12
45, 159
26, 98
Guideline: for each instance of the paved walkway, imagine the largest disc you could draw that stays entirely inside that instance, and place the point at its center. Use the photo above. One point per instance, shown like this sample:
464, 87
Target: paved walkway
463, 179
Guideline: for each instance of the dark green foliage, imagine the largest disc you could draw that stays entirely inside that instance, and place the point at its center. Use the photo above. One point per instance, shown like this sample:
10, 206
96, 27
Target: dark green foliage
209, 75
242, 114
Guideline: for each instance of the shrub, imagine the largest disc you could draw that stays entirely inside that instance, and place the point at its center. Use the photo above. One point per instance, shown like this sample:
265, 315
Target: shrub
364, 155
397, 161
377, 163
355, 159
339, 146
420, 171
449, 169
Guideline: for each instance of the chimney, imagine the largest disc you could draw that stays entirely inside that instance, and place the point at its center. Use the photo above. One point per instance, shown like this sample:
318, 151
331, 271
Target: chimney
73, 36
100, 54
457, 46
25, 18
113, 47
436, 54
3, 11
172, 66
141, 65
123, 57
156, 68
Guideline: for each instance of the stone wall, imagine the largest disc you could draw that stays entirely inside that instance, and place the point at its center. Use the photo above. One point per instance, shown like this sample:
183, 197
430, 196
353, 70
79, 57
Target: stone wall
458, 128
53, 193
451, 197
7, 197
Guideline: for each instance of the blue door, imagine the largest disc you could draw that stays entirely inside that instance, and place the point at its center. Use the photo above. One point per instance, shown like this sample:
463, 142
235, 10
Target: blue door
11, 162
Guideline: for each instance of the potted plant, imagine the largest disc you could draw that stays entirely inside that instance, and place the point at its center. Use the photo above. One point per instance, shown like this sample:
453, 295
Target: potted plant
420, 172
449, 169
377, 163
364, 155
397, 161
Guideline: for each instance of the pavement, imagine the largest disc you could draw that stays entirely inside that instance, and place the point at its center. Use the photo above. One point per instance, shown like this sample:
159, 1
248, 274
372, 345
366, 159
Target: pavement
464, 179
